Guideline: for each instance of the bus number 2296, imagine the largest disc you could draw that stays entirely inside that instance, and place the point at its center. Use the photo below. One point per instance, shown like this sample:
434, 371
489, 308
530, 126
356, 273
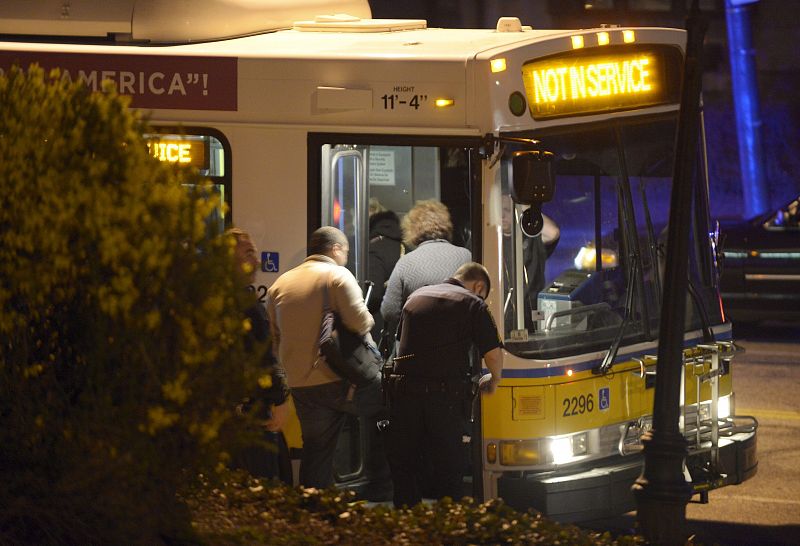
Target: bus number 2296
578, 405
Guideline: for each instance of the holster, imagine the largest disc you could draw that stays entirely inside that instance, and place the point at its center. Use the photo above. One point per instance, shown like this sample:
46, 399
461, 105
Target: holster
386, 373
407, 384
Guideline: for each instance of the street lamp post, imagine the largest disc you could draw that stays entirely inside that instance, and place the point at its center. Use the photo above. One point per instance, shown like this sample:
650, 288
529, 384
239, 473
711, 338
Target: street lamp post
661, 491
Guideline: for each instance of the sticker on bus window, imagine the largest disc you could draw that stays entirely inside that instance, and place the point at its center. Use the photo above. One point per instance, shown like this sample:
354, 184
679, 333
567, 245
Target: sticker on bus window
270, 262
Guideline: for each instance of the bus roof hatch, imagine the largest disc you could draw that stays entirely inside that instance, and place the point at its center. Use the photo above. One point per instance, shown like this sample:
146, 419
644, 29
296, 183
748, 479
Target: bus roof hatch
348, 23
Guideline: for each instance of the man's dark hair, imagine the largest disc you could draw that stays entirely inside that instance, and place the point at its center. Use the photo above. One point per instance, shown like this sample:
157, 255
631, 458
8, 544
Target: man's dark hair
473, 271
323, 239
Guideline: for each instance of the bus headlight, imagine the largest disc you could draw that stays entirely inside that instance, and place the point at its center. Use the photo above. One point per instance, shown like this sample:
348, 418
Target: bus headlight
520, 453
565, 448
724, 407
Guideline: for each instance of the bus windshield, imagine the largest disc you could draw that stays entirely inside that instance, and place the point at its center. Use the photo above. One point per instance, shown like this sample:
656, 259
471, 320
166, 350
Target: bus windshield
594, 273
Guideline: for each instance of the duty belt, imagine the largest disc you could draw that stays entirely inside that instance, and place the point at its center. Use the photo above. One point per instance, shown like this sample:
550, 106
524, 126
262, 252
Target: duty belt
409, 384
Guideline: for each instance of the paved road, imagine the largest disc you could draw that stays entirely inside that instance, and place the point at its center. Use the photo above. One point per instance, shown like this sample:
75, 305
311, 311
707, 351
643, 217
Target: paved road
766, 509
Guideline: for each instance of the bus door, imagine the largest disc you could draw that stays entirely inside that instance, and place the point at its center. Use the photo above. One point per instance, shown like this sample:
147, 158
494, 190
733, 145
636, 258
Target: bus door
355, 181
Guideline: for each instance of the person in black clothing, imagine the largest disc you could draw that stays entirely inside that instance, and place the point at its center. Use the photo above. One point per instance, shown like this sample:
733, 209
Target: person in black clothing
535, 251
430, 388
385, 248
260, 460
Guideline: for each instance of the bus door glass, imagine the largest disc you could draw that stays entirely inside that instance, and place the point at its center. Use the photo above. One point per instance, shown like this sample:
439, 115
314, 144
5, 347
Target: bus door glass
366, 190
343, 193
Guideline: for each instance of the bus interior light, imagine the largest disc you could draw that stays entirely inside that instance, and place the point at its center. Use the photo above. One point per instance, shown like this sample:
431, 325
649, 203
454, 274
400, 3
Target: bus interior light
628, 36
498, 65
444, 103
603, 38
577, 42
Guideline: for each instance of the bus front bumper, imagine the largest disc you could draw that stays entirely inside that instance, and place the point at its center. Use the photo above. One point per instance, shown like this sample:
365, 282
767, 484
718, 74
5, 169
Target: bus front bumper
604, 490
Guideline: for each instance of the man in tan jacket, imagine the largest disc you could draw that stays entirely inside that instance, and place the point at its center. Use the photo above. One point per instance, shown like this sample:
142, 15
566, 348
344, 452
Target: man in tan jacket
295, 307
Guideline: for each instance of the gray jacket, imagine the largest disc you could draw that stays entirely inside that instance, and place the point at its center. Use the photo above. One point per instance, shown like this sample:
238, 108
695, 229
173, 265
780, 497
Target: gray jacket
431, 262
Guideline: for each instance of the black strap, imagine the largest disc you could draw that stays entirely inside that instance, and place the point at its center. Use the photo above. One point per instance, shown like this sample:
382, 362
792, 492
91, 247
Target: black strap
432, 351
326, 304
430, 385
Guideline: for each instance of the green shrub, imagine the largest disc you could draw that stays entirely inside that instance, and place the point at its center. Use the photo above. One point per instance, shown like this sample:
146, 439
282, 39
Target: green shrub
246, 511
121, 350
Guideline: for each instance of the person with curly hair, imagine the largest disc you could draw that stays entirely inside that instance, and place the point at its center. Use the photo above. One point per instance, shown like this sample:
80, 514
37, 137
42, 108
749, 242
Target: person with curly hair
428, 227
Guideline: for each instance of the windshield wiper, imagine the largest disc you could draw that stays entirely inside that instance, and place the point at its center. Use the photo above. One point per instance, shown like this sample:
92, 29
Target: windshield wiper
631, 245
611, 354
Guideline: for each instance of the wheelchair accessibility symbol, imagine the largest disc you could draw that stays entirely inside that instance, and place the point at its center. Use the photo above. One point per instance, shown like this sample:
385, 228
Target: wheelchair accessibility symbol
605, 398
270, 262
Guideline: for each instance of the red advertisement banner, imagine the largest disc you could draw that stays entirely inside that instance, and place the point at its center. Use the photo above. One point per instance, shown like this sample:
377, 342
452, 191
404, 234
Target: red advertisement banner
152, 81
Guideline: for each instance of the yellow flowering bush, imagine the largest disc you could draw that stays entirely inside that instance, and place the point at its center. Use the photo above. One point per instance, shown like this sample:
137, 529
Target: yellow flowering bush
121, 323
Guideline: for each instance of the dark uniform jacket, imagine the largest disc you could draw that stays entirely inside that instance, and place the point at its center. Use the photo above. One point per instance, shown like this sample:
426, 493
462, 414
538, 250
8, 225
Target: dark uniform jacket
534, 254
385, 248
438, 328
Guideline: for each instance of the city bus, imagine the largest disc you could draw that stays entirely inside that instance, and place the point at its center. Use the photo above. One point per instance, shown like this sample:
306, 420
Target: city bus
302, 113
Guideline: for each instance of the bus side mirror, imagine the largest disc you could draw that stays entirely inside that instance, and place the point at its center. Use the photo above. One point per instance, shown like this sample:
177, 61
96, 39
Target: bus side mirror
533, 184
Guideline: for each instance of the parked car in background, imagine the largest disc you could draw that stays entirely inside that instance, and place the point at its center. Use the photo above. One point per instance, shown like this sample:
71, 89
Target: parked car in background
761, 266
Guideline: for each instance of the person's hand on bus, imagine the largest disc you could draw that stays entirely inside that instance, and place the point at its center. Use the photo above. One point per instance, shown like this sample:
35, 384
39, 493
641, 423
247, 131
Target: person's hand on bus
494, 362
278, 419
487, 384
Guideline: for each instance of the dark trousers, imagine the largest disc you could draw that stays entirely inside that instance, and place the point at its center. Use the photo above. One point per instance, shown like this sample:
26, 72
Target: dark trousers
322, 411
433, 424
268, 458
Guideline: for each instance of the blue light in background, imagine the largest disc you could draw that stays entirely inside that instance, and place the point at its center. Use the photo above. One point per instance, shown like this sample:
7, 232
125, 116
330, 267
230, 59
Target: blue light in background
745, 97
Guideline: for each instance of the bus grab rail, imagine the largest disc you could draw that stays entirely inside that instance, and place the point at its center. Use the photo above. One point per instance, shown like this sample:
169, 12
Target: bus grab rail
576, 311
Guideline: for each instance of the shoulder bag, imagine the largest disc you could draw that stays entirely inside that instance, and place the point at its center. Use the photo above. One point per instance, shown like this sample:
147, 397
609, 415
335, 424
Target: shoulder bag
351, 356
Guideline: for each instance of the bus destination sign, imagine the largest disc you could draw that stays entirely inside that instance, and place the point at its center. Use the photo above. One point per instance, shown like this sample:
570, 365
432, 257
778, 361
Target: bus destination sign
573, 85
181, 150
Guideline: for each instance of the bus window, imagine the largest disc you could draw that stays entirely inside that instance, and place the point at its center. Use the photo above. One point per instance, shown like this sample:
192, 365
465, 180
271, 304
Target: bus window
650, 165
594, 282
205, 150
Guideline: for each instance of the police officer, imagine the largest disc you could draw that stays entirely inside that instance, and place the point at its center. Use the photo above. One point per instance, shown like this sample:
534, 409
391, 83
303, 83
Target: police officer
430, 388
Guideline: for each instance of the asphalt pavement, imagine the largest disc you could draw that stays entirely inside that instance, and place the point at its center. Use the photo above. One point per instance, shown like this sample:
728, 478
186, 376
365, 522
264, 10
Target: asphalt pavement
765, 510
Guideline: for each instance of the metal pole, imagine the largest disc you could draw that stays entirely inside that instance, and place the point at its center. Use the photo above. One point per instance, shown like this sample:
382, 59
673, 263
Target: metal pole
661, 491
746, 105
